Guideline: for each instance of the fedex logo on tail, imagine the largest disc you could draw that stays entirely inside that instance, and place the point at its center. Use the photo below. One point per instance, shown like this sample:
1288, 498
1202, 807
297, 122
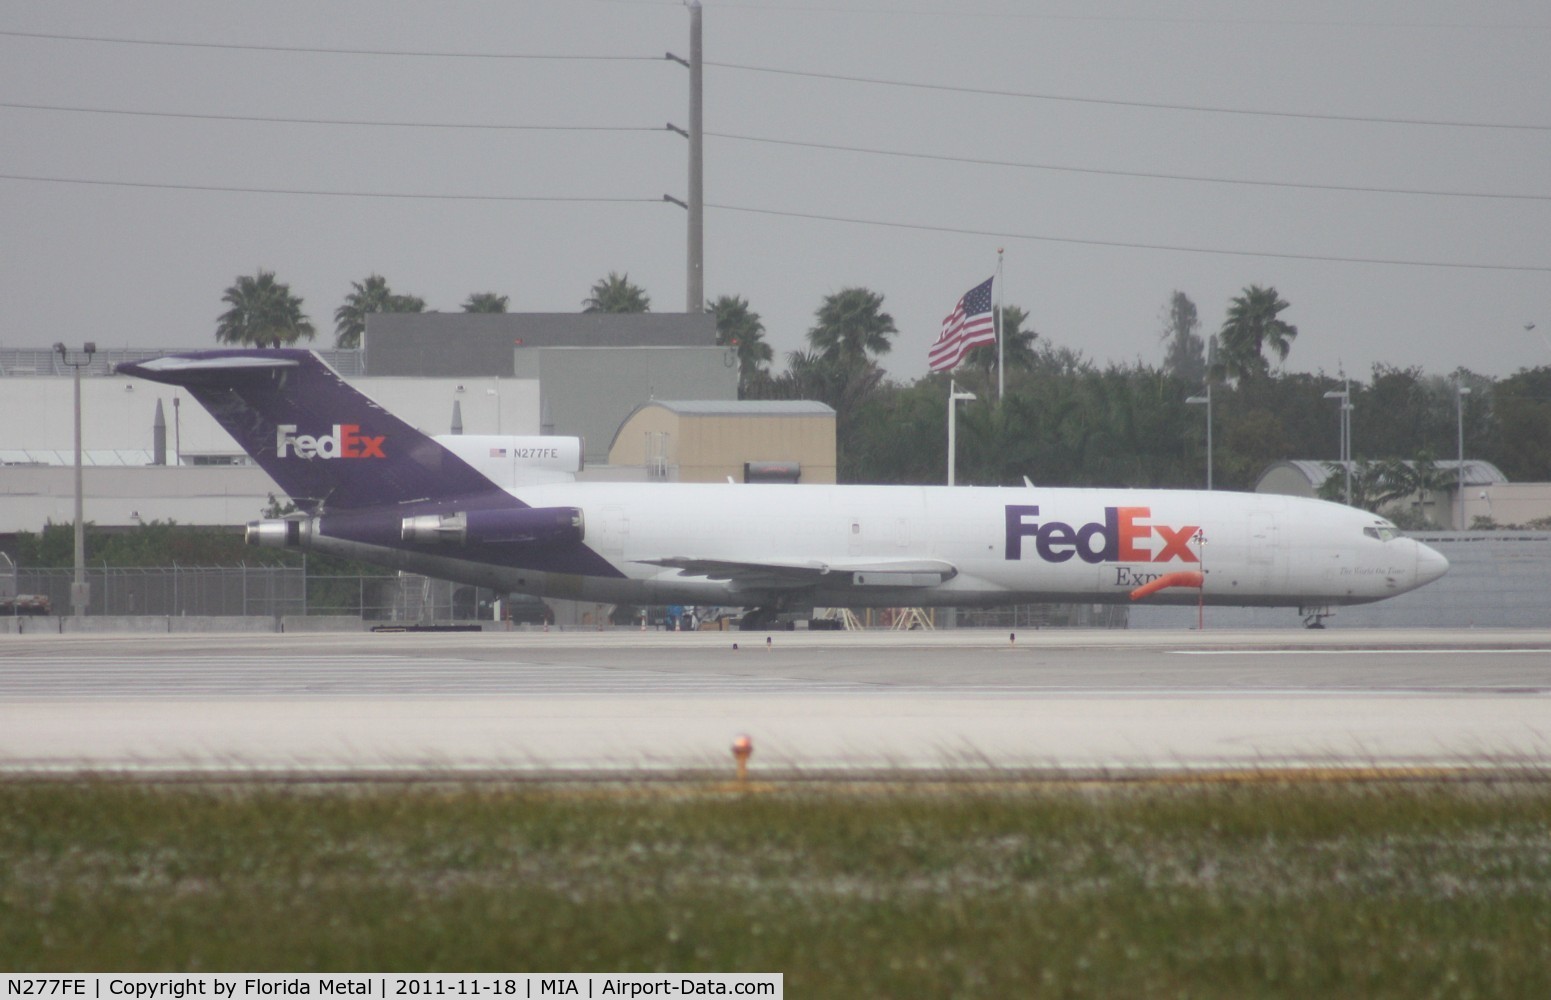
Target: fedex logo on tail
347, 441
1123, 536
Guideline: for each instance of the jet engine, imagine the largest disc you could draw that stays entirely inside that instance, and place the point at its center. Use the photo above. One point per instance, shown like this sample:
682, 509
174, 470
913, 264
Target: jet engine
518, 526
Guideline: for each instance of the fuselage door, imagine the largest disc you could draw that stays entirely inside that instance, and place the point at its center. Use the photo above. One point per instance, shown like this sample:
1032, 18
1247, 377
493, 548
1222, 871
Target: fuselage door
613, 533
1267, 563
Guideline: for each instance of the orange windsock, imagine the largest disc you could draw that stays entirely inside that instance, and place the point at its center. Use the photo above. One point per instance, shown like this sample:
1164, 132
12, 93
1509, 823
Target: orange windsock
1189, 578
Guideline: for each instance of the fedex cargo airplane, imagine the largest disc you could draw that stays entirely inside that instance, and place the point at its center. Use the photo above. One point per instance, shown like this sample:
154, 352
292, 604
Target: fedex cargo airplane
507, 513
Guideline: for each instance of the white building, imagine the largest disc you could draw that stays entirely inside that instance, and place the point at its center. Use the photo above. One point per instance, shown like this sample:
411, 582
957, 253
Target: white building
1488, 493
206, 478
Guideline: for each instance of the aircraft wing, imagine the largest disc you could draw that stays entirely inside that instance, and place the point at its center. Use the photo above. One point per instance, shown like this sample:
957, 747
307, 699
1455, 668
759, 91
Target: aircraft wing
803, 574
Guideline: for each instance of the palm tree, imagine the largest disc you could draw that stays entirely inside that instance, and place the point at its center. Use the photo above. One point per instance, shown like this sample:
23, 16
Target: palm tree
1017, 346
263, 313
1185, 357
739, 326
1431, 483
369, 296
842, 385
485, 302
852, 326
1252, 326
1378, 484
615, 294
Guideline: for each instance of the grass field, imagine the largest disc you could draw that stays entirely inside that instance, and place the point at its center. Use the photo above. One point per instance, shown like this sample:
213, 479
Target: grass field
1226, 889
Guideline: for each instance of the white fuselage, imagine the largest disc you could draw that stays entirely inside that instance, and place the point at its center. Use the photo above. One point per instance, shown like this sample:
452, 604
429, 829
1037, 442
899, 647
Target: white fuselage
999, 545
506, 513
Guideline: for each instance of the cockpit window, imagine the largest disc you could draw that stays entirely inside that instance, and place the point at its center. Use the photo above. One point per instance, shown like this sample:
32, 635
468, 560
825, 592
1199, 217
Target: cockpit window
1383, 532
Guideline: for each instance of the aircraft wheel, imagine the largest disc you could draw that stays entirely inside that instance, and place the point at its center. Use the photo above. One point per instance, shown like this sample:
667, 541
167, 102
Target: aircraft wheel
757, 619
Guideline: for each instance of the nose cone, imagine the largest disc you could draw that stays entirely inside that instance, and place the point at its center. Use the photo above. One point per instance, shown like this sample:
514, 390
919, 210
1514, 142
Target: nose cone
1430, 564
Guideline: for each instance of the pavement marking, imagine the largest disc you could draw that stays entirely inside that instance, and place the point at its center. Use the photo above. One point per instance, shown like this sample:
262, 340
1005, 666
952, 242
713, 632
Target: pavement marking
1359, 651
193, 678
156, 678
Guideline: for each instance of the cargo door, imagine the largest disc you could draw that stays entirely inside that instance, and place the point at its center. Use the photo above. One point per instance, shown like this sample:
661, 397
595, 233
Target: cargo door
1267, 560
613, 533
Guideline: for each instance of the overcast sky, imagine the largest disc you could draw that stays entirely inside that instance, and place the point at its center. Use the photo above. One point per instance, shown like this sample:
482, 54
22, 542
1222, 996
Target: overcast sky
1438, 111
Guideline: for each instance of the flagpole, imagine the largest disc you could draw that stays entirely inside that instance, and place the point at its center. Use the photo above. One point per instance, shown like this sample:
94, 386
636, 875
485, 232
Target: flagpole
1001, 353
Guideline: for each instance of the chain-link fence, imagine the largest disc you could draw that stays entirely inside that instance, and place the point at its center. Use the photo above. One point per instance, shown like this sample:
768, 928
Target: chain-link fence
404, 598
279, 592
265, 591
271, 591
1047, 616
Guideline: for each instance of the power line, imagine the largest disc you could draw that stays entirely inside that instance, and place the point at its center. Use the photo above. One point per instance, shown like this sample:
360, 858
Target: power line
1230, 22
832, 147
1120, 244
1104, 172
876, 81
963, 231
1115, 102
321, 193
276, 120
321, 50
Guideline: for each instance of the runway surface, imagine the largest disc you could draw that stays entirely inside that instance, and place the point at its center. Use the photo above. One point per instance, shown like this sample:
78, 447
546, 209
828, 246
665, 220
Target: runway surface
820, 703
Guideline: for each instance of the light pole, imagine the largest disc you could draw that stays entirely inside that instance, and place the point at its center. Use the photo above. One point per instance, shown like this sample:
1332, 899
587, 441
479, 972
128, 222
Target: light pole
1345, 396
80, 592
954, 395
1461, 391
1206, 400
496, 392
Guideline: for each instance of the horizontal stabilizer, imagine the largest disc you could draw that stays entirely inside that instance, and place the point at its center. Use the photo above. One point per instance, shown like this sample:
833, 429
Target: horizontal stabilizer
173, 365
515, 461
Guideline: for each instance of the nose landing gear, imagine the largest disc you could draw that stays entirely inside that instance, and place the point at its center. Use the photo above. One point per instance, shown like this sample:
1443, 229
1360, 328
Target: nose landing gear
1315, 617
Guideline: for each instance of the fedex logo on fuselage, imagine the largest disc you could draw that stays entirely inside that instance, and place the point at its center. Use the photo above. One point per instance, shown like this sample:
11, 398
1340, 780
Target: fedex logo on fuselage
1123, 536
347, 441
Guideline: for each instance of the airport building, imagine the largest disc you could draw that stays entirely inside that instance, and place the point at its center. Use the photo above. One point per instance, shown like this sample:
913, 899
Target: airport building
152, 454
652, 397
713, 441
1488, 495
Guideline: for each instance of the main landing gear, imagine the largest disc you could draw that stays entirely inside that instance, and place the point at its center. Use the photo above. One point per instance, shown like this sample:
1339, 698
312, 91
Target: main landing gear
758, 619
1315, 617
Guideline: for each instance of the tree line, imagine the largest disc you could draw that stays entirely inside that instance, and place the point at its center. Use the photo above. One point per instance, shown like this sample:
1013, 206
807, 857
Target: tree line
265, 313
1065, 419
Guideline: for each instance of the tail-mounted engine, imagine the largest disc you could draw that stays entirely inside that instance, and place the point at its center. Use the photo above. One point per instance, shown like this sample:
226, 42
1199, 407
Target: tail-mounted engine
539, 526
279, 534
521, 526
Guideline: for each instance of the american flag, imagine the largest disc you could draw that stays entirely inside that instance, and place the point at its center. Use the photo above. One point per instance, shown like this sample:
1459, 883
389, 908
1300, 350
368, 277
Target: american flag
970, 324
497, 452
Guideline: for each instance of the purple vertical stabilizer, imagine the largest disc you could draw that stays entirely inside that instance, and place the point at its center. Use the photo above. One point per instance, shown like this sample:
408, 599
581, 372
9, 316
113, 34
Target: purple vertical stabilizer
323, 442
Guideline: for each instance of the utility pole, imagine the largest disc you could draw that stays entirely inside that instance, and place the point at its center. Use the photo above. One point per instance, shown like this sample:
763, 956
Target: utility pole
696, 242
694, 203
